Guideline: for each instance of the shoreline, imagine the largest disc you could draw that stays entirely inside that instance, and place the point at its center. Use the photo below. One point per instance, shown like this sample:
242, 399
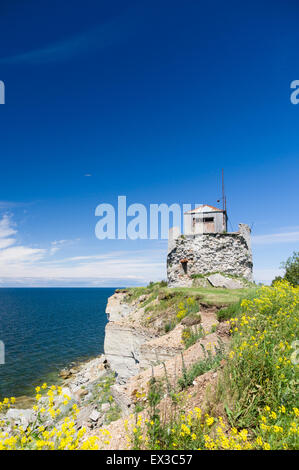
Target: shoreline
73, 369
68, 332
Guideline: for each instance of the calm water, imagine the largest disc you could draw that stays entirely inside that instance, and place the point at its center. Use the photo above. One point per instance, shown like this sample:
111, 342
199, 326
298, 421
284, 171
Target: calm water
45, 330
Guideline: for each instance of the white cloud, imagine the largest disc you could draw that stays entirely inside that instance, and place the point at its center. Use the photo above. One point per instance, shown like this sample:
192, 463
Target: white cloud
20, 254
10, 255
23, 265
116, 269
283, 237
5, 242
6, 227
57, 245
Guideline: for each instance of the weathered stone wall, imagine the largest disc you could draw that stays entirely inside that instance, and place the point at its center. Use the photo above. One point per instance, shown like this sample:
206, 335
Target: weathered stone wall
214, 252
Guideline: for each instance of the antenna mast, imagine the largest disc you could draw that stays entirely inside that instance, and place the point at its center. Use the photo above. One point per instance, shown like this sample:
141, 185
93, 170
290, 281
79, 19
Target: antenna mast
223, 201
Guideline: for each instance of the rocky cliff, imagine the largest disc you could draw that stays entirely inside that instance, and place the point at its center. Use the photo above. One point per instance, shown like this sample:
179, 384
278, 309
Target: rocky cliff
130, 346
138, 346
144, 342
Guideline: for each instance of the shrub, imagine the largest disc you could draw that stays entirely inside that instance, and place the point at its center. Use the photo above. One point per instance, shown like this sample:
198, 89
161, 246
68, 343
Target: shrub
257, 387
191, 335
169, 326
292, 269
261, 371
228, 312
209, 362
186, 307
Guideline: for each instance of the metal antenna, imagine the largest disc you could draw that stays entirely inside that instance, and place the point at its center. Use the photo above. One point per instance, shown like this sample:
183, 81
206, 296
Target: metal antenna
222, 190
223, 201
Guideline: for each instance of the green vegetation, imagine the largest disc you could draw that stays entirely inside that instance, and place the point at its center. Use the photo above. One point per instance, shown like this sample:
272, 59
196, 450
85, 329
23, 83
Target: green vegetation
261, 371
169, 326
228, 312
209, 362
252, 405
215, 296
113, 414
104, 388
198, 276
191, 335
172, 305
234, 309
152, 289
104, 395
187, 307
257, 388
291, 267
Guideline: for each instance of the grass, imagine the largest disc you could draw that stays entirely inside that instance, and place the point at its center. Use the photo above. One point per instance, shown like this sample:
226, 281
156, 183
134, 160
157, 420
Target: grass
152, 290
261, 372
169, 326
163, 303
257, 390
113, 414
215, 296
191, 335
211, 295
171, 308
230, 311
234, 309
209, 362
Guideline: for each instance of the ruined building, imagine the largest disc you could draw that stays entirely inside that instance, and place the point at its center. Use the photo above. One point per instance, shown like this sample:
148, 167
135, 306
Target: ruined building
207, 247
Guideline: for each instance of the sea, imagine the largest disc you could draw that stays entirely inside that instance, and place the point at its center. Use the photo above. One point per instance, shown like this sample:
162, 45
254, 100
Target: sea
45, 330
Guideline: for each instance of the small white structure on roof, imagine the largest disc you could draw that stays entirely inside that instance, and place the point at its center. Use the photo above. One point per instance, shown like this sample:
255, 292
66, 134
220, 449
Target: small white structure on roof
205, 219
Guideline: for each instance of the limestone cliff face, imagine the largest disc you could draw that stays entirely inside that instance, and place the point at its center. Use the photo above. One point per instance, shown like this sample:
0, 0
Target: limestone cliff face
117, 309
129, 347
123, 337
122, 348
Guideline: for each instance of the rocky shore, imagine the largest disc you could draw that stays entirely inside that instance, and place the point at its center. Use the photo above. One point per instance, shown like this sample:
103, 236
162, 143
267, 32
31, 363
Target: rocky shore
139, 344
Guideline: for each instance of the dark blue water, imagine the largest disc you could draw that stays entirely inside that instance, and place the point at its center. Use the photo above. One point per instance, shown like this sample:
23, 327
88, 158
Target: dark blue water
45, 330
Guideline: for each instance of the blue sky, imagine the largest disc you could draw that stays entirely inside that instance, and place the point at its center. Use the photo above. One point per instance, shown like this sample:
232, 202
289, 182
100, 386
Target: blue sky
150, 99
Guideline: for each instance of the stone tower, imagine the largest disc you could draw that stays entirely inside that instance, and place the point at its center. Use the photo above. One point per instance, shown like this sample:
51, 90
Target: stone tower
207, 247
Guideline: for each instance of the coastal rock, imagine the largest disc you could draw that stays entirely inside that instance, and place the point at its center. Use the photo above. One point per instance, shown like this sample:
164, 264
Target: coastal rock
116, 308
105, 407
94, 416
218, 280
121, 398
66, 394
65, 374
21, 417
161, 349
122, 348
79, 394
